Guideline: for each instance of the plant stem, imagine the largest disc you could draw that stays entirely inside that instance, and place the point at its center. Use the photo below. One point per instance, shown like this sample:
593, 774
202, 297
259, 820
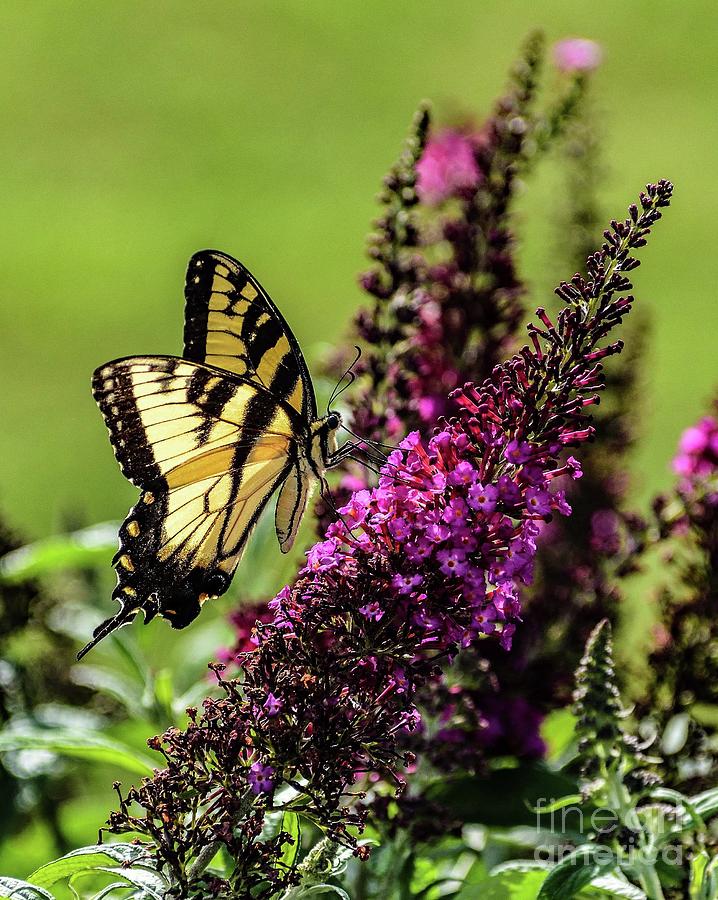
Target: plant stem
651, 884
204, 858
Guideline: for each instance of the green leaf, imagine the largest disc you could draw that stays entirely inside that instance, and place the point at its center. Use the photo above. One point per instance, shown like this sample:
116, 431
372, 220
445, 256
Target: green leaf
152, 885
476, 874
691, 816
85, 549
14, 889
87, 858
675, 734
110, 889
562, 803
290, 824
515, 880
164, 690
699, 862
117, 685
611, 886
316, 889
558, 731
504, 797
706, 804
575, 871
88, 745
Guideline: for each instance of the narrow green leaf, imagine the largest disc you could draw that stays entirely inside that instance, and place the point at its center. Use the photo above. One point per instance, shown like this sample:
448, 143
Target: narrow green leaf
682, 803
521, 865
569, 800
90, 746
110, 889
290, 824
85, 549
710, 879
699, 863
117, 685
164, 692
87, 858
575, 871
706, 804
14, 889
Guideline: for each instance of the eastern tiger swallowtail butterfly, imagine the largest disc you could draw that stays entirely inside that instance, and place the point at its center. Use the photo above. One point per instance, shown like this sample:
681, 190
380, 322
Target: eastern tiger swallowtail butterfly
208, 438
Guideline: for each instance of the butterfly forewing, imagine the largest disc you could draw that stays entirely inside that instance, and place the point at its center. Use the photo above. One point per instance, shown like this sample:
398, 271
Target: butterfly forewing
231, 322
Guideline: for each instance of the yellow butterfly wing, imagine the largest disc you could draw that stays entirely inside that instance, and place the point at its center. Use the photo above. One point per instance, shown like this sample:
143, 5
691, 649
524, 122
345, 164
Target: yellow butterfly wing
208, 449
231, 322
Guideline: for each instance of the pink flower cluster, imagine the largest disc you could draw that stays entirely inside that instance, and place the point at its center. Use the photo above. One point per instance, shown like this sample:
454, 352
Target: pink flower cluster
455, 530
577, 55
697, 455
447, 167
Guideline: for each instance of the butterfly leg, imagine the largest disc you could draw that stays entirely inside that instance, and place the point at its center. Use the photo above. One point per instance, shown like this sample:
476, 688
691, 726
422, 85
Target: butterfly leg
347, 451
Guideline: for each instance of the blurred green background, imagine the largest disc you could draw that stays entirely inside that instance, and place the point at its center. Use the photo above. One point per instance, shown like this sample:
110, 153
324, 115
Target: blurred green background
135, 133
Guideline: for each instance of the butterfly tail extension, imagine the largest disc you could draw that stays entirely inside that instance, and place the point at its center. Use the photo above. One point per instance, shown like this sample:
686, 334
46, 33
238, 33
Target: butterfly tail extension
123, 617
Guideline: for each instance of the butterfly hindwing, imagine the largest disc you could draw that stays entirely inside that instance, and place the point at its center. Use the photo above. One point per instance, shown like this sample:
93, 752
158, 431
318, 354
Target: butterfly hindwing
208, 448
231, 322
291, 503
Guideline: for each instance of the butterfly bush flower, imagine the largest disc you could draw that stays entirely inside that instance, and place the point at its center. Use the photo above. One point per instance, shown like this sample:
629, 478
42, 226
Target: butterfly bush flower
446, 168
328, 696
577, 55
698, 450
260, 778
447, 299
581, 561
434, 326
244, 620
683, 660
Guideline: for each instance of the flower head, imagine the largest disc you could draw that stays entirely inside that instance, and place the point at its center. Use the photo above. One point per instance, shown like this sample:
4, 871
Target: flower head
272, 705
577, 55
260, 778
446, 167
697, 455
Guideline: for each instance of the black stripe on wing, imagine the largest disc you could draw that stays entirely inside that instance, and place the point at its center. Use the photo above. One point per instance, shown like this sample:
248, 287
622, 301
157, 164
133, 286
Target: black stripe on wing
229, 309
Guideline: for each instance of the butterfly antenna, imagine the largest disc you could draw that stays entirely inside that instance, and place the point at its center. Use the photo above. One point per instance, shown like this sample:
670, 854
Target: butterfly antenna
375, 445
352, 377
123, 617
373, 453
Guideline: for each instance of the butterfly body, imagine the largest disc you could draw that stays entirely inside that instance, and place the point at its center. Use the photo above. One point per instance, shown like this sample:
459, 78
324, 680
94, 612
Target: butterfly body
209, 438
